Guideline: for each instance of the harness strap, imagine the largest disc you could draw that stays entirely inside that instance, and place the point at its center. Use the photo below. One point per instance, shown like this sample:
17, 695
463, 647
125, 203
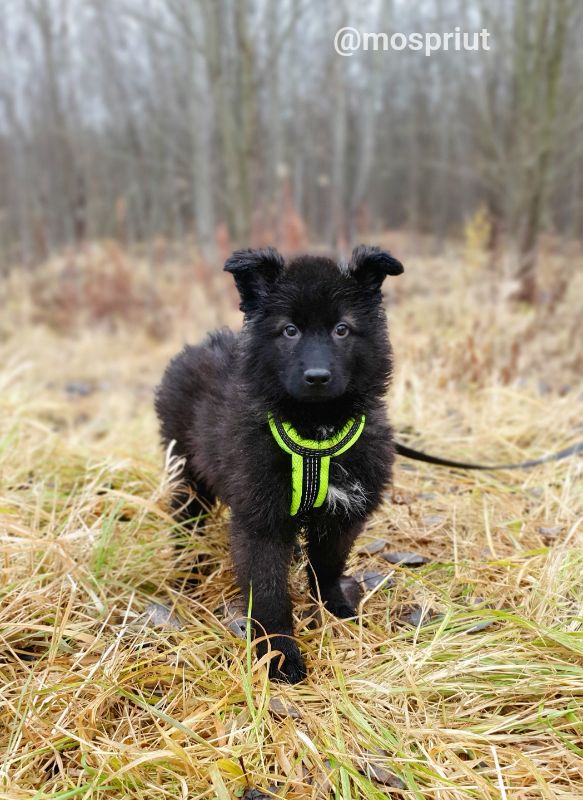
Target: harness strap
310, 460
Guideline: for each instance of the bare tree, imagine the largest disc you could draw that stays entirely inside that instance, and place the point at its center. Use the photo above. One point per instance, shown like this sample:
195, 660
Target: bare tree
148, 121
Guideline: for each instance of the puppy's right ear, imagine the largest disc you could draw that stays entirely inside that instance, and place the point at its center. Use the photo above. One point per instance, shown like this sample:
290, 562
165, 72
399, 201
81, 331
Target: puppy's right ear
255, 273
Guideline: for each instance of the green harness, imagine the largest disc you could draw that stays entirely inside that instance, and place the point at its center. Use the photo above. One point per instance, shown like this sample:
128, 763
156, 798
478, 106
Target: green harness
310, 460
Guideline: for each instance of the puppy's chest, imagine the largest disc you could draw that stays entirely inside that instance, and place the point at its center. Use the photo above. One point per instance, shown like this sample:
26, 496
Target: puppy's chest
329, 472
346, 492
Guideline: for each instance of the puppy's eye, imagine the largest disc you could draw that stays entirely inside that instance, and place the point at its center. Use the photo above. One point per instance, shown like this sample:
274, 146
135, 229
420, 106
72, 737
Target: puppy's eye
341, 330
290, 332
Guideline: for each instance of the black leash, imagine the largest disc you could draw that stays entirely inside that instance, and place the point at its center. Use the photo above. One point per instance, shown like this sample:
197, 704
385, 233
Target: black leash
417, 455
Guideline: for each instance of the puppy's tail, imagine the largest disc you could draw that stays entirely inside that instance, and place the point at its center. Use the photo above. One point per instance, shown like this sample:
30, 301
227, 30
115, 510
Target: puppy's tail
192, 499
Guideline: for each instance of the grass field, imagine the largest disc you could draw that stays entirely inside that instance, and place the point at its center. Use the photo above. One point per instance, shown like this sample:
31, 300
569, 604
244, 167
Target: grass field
462, 678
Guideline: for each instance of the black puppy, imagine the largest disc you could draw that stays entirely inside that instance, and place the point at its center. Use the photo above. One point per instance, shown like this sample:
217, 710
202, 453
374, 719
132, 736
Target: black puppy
286, 423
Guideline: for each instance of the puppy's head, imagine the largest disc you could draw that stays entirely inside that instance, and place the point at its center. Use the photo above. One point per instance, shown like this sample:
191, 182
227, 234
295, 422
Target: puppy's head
315, 329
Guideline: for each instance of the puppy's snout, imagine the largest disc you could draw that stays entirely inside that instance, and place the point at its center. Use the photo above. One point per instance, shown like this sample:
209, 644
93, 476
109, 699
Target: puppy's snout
317, 377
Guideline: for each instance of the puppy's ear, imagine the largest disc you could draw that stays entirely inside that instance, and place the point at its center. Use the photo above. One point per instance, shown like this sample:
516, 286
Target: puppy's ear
255, 272
371, 265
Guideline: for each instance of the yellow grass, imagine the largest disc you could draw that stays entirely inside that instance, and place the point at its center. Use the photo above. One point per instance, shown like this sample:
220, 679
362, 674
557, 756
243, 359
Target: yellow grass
99, 700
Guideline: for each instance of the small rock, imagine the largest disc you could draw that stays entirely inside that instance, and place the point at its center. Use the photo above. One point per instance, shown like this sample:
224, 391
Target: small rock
426, 496
405, 558
78, 389
234, 619
416, 616
536, 491
157, 615
373, 547
238, 627
369, 580
251, 793
480, 626
432, 519
551, 532
420, 616
279, 709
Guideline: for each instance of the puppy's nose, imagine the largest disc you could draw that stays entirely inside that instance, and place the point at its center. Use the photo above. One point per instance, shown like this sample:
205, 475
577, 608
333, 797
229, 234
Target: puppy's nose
317, 376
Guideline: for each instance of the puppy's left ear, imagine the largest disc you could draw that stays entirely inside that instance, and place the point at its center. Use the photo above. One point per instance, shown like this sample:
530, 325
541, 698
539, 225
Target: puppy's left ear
371, 265
255, 273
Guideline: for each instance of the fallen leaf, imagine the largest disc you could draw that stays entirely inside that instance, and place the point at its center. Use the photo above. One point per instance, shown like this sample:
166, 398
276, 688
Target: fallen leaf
280, 709
319, 780
384, 777
157, 615
370, 766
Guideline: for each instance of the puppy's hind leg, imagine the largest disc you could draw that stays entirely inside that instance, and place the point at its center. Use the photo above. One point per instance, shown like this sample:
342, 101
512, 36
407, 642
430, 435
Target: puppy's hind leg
192, 502
183, 381
191, 505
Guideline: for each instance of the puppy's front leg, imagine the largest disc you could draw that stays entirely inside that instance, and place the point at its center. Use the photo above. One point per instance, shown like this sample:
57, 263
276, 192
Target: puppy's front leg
262, 554
329, 544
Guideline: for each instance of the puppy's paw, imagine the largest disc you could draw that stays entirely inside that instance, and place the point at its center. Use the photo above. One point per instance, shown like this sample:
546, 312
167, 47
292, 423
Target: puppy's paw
341, 603
341, 608
342, 597
287, 665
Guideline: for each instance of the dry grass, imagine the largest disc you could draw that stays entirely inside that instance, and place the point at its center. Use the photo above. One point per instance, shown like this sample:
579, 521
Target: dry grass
98, 701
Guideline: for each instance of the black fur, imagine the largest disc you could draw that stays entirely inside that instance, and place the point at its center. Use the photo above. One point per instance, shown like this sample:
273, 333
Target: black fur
214, 400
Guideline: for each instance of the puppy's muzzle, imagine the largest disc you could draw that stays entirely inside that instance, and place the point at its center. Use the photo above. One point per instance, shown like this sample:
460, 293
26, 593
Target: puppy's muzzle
317, 377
